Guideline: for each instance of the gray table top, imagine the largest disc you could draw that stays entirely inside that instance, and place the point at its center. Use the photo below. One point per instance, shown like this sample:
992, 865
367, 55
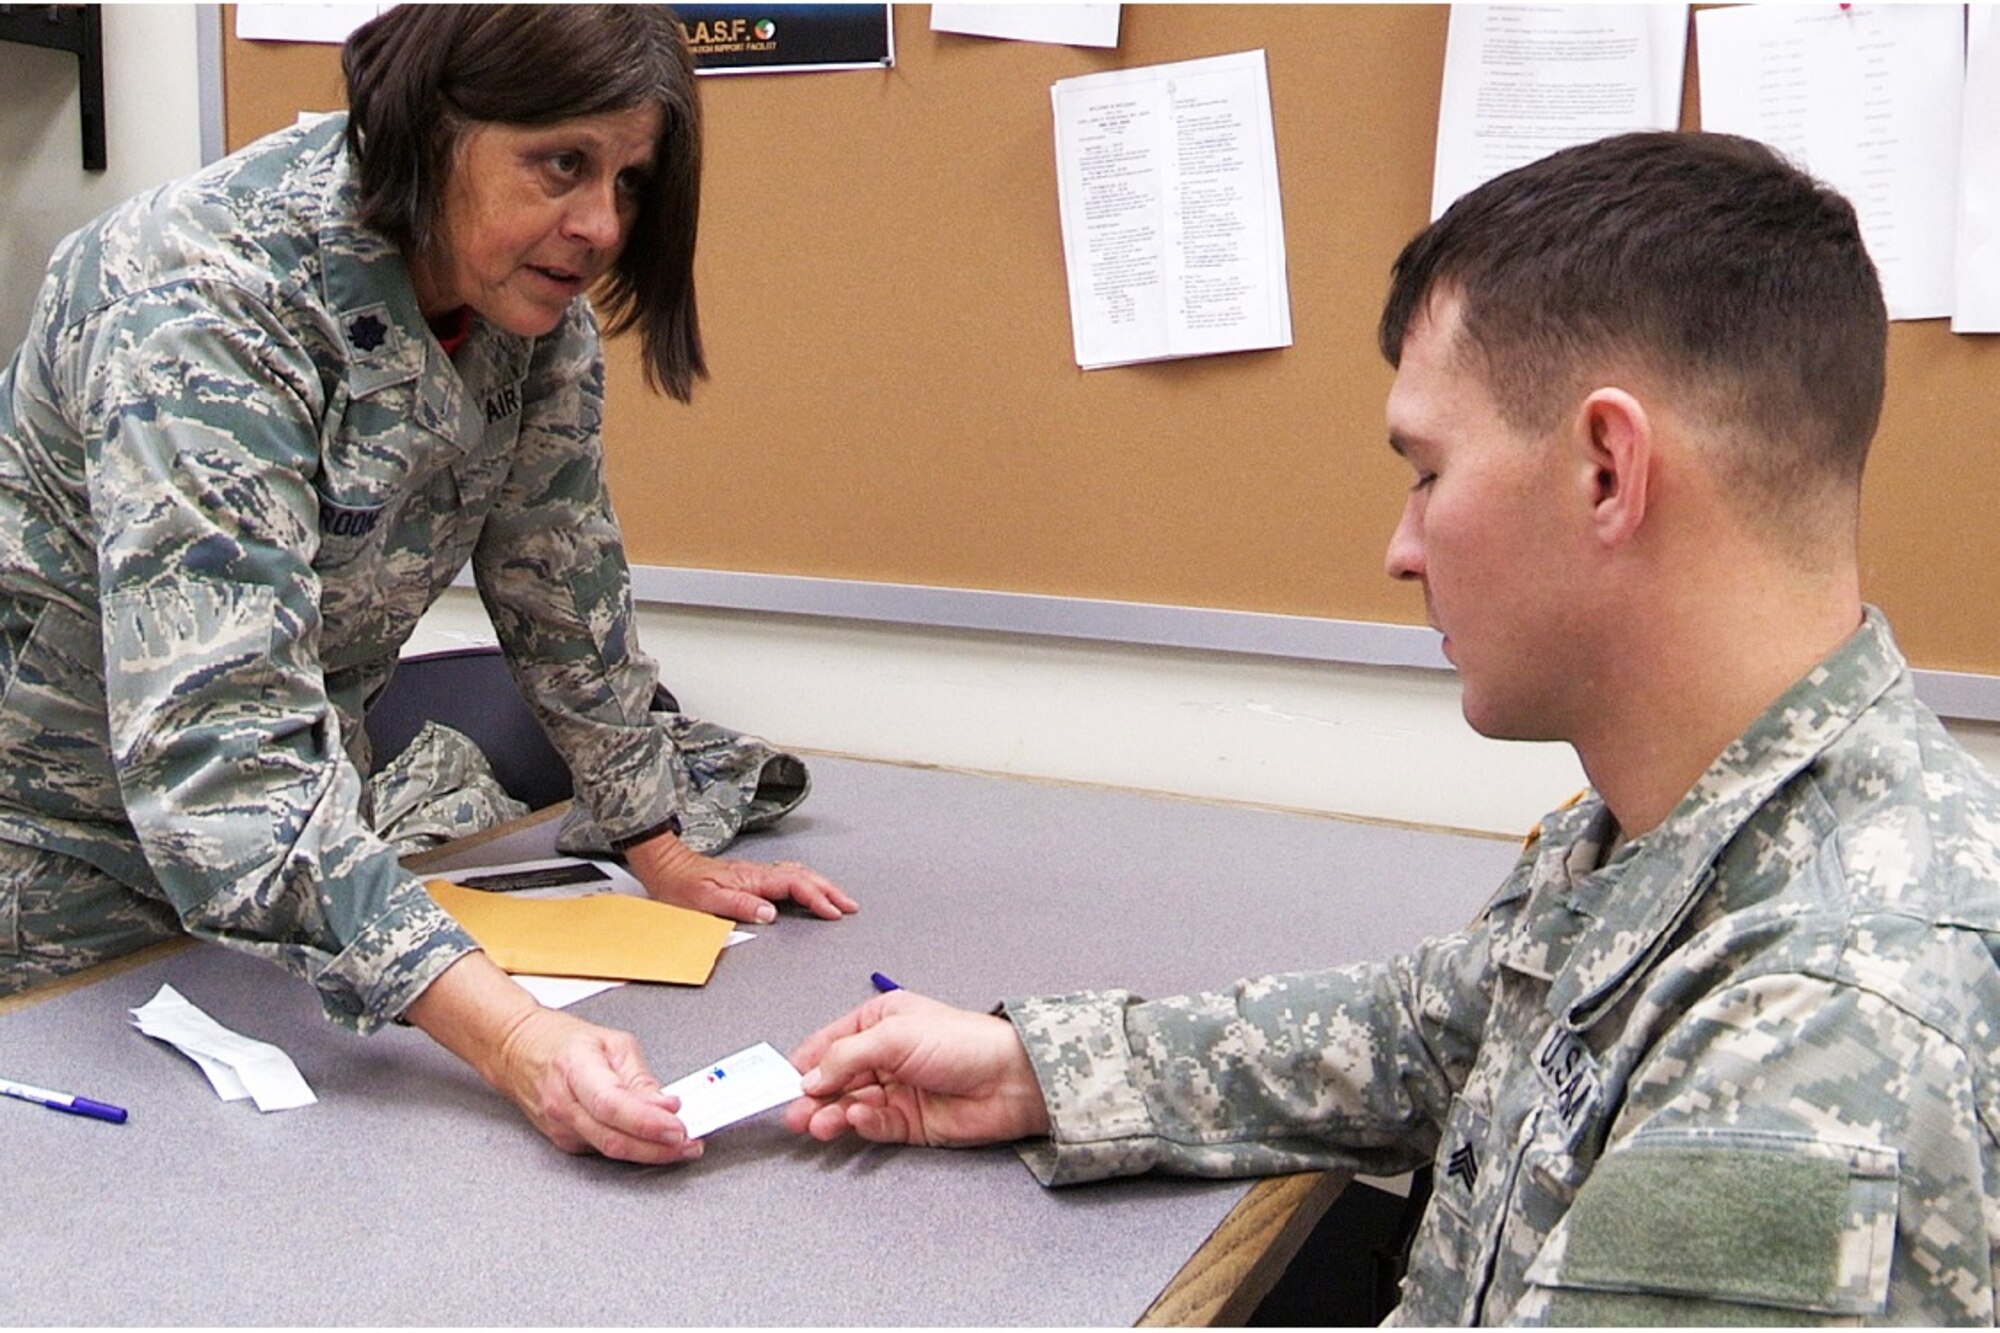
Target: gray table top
411, 1194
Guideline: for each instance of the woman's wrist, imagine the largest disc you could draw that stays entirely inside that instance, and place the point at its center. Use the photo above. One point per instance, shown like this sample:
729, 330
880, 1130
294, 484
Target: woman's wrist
671, 824
474, 1010
664, 862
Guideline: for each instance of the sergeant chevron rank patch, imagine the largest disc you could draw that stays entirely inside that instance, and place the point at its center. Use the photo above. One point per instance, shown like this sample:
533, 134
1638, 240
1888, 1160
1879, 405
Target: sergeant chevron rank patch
1463, 1166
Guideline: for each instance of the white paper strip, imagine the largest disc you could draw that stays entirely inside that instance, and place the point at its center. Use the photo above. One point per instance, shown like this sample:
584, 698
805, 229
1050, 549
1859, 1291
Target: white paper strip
1977, 309
261, 1070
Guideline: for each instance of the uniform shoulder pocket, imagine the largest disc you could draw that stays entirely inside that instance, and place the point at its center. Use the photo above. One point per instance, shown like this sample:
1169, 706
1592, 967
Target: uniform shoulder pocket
1722, 1227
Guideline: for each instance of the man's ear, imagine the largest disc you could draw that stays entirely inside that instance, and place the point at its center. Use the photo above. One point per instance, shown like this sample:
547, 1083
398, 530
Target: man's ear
1617, 445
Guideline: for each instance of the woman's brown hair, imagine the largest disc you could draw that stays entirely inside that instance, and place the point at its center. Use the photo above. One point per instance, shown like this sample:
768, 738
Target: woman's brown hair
419, 75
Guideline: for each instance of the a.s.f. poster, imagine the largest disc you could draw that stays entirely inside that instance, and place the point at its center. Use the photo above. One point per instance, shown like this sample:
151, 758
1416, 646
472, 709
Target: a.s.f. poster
733, 39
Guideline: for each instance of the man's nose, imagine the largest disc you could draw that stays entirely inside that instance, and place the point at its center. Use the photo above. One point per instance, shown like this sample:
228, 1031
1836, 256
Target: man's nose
1405, 556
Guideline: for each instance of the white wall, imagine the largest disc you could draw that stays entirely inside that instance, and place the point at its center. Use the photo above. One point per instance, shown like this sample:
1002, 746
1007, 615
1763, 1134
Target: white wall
1372, 742
152, 134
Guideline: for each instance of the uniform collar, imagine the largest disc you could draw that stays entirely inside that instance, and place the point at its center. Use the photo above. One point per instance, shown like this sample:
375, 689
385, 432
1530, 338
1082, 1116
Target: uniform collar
1653, 882
1549, 866
367, 289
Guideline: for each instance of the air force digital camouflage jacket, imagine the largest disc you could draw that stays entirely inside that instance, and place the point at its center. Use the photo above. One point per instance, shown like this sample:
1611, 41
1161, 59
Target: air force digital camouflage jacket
1743, 1072
235, 468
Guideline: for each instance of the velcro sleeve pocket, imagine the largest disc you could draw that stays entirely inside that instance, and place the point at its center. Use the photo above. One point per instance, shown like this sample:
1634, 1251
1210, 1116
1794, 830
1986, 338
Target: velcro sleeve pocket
1724, 1227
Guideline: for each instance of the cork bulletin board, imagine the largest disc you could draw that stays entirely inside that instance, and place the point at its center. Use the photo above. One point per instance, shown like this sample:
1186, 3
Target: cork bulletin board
893, 396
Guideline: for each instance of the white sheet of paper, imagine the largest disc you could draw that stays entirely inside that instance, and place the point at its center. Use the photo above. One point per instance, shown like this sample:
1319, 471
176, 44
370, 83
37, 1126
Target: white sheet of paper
1869, 98
301, 22
734, 1088
562, 992
1062, 24
1173, 234
1977, 270
1522, 81
221, 1077
267, 1073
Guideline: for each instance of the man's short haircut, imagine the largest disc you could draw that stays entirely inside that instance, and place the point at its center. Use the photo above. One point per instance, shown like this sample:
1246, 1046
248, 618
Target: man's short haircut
420, 75
1706, 261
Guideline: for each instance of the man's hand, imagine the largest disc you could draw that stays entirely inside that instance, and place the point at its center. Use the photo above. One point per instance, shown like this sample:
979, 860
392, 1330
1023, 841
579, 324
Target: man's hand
906, 1069
739, 890
586, 1088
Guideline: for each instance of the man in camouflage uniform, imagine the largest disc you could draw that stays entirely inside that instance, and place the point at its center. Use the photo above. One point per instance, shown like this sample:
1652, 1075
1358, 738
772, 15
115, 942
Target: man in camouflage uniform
1722, 1048
236, 466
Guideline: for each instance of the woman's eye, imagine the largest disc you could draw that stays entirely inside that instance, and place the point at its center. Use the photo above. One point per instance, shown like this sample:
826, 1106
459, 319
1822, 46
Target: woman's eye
566, 164
1423, 481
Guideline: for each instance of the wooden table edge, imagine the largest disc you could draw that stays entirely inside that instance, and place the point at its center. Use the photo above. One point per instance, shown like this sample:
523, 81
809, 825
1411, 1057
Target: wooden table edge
1242, 1259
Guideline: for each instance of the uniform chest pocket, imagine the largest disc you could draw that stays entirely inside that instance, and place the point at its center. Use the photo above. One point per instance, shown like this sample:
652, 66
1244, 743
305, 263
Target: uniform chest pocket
1719, 1227
371, 461
491, 433
1552, 1170
1452, 1239
346, 530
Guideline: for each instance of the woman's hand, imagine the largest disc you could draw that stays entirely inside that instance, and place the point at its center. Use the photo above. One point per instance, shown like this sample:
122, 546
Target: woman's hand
906, 1069
739, 890
586, 1088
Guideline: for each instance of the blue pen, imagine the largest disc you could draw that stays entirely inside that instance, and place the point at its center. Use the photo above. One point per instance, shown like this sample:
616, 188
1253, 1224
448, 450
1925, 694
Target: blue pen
882, 983
62, 1101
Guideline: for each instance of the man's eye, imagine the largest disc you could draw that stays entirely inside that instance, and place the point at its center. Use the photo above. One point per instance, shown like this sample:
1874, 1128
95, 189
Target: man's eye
1423, 481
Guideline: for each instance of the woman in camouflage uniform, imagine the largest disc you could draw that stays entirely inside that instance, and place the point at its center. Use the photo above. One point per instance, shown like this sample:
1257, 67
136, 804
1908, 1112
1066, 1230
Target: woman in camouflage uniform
262, 418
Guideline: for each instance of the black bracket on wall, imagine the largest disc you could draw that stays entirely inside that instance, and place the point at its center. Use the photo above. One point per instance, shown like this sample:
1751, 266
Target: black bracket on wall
78, 29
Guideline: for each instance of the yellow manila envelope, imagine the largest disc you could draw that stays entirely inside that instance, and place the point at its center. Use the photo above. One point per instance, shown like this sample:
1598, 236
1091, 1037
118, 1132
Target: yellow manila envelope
608, 935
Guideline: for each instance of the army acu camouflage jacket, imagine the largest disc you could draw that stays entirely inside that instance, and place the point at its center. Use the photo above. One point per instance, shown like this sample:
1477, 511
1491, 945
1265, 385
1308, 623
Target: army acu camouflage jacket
1743, 1071
235, 468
